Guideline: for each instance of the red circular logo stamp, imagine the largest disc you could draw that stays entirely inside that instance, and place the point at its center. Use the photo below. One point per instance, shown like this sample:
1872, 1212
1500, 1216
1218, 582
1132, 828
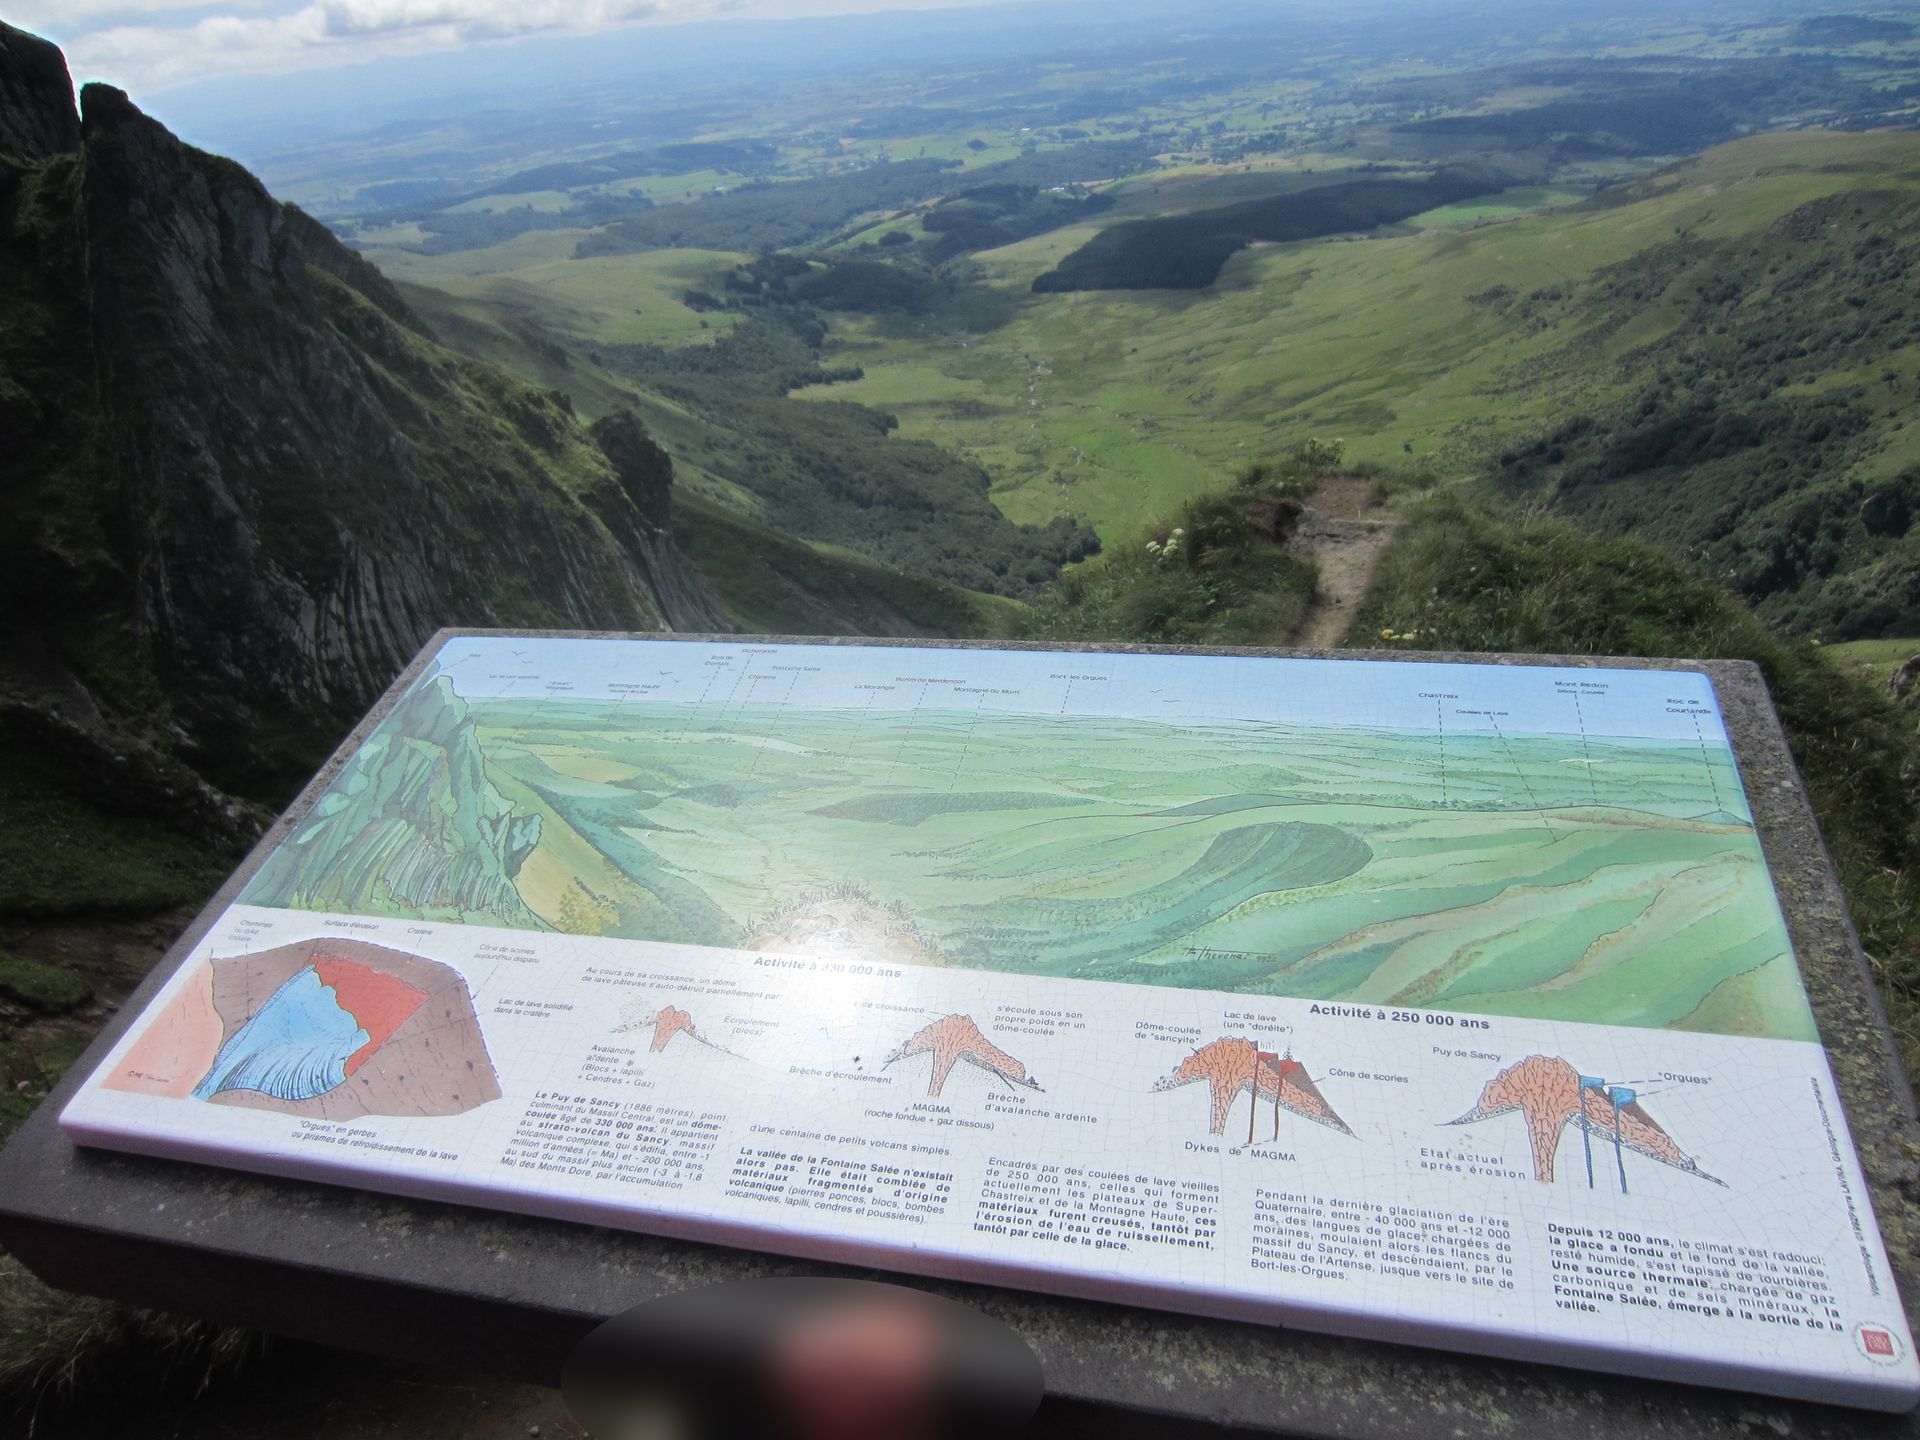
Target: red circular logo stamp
1877, 1342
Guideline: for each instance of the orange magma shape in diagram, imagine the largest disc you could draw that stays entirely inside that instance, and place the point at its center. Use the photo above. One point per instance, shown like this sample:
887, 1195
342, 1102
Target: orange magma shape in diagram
957, 1038
1233, 1064
1547, 1091
667, 1024
381, 1003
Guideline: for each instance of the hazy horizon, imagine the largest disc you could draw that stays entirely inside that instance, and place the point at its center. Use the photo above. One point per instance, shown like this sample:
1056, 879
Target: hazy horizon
153, 47
361, 67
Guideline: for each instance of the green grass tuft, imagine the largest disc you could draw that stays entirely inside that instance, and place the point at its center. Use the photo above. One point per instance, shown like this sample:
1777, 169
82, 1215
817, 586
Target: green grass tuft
41, 987
1218, 574
57, 1349
1875, 660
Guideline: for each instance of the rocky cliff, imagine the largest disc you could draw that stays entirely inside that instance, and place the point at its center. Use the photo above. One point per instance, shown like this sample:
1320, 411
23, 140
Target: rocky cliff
36, 98
242, 481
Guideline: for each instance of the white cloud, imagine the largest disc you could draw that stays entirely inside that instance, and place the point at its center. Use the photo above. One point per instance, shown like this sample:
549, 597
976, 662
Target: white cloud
145, 58
131, 43
478, 18
71, 16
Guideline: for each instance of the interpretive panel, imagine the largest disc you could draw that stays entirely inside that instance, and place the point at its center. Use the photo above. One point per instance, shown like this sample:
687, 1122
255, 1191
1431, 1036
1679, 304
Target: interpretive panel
1448, 1003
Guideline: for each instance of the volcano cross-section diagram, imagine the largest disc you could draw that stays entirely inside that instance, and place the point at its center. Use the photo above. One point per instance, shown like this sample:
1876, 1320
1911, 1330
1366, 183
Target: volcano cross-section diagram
327, 1029
1552, 1094
1233, 1065
957, 1038
668, 1024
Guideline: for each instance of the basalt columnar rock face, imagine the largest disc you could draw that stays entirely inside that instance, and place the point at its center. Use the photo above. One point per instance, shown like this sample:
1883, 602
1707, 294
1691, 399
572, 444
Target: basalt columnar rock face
244, 484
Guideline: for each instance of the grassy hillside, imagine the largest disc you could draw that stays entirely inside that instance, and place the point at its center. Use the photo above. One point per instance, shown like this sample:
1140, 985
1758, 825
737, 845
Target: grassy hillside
769, 583
833, 474
1875, 660
763, 577
1718, 354
636, 299
1448, 345
1765, 430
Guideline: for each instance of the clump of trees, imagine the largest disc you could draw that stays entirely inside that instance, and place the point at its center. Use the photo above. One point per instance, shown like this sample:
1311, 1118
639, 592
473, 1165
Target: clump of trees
1186, 252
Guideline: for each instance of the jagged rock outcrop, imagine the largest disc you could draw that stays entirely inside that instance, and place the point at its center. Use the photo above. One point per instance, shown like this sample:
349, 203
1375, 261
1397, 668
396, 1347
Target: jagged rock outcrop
122, 774
247, 482
645, 470
1904, 683
36, 98
643, 489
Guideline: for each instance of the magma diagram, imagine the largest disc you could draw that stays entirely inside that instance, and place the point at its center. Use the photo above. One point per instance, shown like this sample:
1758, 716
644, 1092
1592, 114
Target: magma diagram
328, 1029
1552, 1095
668, 1023
1233, 1065
955, 1039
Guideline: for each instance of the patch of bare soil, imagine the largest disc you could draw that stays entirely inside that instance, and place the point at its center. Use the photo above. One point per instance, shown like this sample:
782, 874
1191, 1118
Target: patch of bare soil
1344, 497
1343, 530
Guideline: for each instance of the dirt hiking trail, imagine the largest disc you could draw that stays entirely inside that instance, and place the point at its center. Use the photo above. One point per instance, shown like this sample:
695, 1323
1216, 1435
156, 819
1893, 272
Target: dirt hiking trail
1343, 531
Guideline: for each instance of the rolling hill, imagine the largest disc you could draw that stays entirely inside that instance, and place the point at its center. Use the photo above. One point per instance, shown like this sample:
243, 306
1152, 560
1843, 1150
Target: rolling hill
1547, 353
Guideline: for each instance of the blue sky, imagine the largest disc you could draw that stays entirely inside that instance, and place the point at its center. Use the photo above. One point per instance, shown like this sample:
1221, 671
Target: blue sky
149, 46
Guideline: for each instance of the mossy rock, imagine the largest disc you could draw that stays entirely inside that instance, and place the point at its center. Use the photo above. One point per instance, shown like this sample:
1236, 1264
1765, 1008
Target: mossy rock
42, 987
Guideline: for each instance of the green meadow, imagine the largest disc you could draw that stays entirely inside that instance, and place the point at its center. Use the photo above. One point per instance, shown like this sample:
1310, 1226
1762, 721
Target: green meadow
1875, 660
1435, 347
1520, 200
615, 299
